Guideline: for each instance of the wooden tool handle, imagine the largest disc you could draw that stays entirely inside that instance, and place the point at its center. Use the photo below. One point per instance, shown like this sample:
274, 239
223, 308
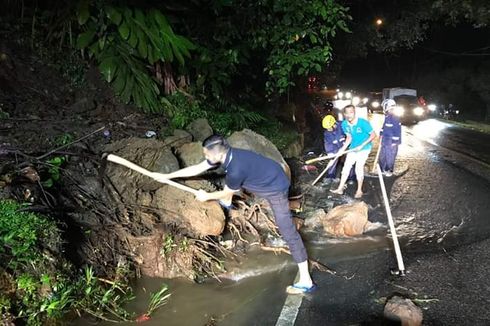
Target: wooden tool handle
322, 158
137, 168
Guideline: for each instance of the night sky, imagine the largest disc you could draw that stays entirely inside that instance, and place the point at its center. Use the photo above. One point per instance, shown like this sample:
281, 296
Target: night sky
445, 47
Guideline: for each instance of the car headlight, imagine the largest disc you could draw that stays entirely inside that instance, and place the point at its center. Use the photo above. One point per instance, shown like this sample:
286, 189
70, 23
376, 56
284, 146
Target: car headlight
418, 111
399, 111
375, 104
432, 107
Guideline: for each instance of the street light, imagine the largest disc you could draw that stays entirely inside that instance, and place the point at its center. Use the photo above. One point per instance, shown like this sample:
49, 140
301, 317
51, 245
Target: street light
379, 22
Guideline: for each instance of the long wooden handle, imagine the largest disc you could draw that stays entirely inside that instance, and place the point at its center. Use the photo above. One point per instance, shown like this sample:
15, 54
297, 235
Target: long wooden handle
137, 168
398, 252
329, 165
322, 158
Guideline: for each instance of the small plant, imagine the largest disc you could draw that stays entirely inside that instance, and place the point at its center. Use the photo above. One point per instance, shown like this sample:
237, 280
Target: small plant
21, 233
54, 170
168, 245
184, 245
158, 300
63, 139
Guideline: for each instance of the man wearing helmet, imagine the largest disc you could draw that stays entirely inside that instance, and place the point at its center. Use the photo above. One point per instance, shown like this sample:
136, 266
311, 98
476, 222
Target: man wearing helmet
333, 139
359, 137
390, 138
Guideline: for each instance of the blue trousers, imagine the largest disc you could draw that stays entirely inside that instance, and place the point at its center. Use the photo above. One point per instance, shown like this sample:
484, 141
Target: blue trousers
387, 157
279, 202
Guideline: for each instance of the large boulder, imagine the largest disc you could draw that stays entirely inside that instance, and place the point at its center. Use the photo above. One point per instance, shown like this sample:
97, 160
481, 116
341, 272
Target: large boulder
151, 154
198, 218
200, 129
403, 311
346, 220
179, 138
168, 204
247, 139
190, 154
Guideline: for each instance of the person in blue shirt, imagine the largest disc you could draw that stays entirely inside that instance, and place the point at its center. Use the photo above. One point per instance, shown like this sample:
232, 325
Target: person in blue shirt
333, 139
263, 177
390, 138
359, 137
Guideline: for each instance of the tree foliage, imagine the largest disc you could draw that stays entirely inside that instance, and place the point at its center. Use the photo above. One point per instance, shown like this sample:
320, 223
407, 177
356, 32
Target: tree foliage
126, 43
271, 42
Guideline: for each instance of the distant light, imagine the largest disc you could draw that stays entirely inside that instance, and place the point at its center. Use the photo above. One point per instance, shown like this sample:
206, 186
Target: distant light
457, 111
365, 100
356, 100
399, 111
418, 111
341, 95
348, 95
375, 104
432, 107
379, 22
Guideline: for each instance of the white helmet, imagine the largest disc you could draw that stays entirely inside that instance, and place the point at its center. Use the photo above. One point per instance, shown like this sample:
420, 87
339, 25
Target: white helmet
387, 104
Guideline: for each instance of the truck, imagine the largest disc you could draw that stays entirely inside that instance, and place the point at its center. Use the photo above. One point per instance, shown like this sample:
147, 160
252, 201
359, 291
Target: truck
408, 108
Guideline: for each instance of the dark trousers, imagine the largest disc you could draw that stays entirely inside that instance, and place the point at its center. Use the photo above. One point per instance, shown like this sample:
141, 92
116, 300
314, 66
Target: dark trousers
284, 220
387, 157
332, 171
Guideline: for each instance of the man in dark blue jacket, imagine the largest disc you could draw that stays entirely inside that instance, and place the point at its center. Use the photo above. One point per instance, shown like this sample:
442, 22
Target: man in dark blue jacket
263, 177
333, 139
390, 138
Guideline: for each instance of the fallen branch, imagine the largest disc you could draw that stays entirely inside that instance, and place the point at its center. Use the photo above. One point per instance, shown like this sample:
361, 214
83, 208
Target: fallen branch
70, 143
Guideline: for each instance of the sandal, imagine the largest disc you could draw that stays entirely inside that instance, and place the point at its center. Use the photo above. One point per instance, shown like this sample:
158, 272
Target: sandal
300, 289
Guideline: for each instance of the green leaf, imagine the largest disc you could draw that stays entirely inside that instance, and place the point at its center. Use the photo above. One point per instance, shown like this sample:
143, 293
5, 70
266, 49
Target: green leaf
120, 81
85, 38
143, 48
108, 68
140, 17
83, 13
128, 88
133, 39
161, 20
124, 30
113, 14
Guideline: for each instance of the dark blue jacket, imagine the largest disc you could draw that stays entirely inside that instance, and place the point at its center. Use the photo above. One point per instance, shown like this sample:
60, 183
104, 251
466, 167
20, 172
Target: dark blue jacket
333, 140
392, 130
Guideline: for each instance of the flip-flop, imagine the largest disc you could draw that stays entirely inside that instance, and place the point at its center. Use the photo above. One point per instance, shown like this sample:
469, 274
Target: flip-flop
358, 195
299, 289
334, 191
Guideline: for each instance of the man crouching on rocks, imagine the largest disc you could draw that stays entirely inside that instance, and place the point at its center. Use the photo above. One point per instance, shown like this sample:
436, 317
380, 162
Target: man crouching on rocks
261, 176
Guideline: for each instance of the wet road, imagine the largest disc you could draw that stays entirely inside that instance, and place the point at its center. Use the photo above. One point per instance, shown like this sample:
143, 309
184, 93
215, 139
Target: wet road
440, 203
469, 142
